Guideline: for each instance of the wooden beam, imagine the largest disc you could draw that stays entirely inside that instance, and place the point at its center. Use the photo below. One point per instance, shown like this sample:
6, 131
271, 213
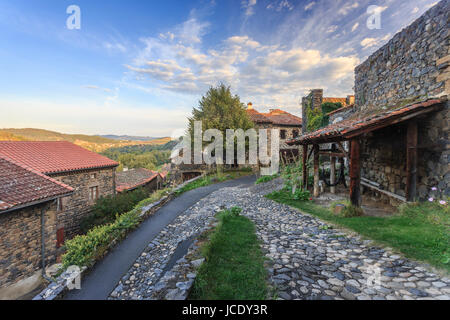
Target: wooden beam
341, 147
316, 170
333, 154
411, 160
305, 171
333, 174
355, 173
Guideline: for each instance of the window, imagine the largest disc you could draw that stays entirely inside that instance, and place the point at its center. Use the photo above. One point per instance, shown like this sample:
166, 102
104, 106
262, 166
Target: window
93, 176
295, 134
283, 134
93, 193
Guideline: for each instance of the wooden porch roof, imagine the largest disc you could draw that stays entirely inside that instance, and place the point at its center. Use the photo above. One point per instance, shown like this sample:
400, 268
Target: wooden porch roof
354, 127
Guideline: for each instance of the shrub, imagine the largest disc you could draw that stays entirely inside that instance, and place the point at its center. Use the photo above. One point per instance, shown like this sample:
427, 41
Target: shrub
86, 249
107, 208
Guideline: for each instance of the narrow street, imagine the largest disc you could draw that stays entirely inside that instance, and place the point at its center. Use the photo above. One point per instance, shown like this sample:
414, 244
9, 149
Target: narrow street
308, 259
104, 277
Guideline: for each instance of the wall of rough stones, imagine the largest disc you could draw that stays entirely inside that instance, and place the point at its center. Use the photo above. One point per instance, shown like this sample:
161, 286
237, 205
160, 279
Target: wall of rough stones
20, 243
78, 206
413, 66
405, 68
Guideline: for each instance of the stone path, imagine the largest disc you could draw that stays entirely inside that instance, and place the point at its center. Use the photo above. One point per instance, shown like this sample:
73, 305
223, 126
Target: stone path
308, 259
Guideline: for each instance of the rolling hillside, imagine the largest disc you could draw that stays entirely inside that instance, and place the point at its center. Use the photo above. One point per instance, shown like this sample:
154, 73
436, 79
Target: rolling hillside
93, 143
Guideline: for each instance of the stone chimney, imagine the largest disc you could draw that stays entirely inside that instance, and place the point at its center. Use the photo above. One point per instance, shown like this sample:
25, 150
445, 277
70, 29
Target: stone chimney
249, 106
350, 100
314, 99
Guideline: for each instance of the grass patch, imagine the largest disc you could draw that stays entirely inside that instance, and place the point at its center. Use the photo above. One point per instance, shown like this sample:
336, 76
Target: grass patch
211, 179
419, 231
265, 179
234, 266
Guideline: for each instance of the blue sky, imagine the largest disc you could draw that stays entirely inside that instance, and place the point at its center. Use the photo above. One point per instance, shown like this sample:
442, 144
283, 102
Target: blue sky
138, 67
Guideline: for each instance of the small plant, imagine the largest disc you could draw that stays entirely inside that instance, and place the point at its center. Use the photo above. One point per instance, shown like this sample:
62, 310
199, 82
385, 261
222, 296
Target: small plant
265, 179
350, 211
235, 211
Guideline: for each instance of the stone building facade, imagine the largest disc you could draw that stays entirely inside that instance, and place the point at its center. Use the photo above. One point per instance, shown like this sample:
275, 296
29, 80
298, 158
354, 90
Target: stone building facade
413, 66
398, 129
90, 175
28, 223
89, 185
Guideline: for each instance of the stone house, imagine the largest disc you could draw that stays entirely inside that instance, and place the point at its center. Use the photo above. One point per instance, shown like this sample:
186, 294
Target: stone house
89, 174
138, 178
28, 223
315, 99
290, 127
398, 130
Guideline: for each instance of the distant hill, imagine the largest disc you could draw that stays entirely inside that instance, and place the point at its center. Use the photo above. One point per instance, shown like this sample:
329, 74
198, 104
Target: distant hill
128, 138
93, 143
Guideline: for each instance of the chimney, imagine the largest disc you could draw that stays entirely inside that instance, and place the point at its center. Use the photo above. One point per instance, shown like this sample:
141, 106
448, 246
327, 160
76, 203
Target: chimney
250, 106
350, 100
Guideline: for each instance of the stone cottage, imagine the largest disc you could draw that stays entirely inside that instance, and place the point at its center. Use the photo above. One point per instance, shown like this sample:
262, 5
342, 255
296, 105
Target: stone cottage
138, 178
398, 130
88, 173
28, 222
290, 127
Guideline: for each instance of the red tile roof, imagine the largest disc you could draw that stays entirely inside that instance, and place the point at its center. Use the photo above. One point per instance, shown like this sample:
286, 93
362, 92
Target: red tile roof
53, 156
134, 178
21, 186
257, 117
356, 126
276, 117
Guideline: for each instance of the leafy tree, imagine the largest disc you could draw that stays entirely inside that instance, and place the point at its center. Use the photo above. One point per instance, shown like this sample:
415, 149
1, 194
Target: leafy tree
220, 109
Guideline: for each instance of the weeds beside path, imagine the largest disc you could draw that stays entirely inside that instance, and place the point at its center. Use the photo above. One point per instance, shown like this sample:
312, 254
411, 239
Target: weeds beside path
234, 267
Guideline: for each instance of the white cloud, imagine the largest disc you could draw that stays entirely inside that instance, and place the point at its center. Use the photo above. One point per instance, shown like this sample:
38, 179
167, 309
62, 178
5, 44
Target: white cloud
355, 26
346, 8
249, 5
279, 6
332, 29
372, 42
94, 87
310, 5
415, 10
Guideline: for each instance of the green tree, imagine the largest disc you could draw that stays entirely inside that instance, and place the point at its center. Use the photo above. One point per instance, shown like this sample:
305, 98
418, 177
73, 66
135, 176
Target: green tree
220, 109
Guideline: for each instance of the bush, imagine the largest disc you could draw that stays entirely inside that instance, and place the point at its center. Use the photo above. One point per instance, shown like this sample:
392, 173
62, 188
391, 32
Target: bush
107, 208
85, 250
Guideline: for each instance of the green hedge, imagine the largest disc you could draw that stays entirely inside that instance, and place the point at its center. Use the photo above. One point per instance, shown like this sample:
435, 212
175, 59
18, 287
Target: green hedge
107, 208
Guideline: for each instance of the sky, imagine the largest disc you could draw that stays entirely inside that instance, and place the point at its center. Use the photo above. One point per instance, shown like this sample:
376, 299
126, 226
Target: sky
139, 67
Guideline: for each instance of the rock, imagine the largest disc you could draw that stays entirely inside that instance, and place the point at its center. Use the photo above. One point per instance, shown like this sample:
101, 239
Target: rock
197, 263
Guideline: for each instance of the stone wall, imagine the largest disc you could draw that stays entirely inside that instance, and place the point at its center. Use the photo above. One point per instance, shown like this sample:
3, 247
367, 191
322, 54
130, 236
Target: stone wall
78, 206
313, 100
20, 243
406, 68
413, 66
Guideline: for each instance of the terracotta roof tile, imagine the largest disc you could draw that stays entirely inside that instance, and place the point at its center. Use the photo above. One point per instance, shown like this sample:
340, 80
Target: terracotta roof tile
53, 156
353, 127
134, 178
20, 186
276, 117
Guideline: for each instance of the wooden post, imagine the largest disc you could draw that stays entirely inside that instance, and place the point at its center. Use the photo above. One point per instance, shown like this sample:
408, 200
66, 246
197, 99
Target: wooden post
411, 160
333, 174
305, 171
355, 173
316, 170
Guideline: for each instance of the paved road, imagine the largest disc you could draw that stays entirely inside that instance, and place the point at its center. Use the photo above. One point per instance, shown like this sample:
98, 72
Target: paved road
102, 280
